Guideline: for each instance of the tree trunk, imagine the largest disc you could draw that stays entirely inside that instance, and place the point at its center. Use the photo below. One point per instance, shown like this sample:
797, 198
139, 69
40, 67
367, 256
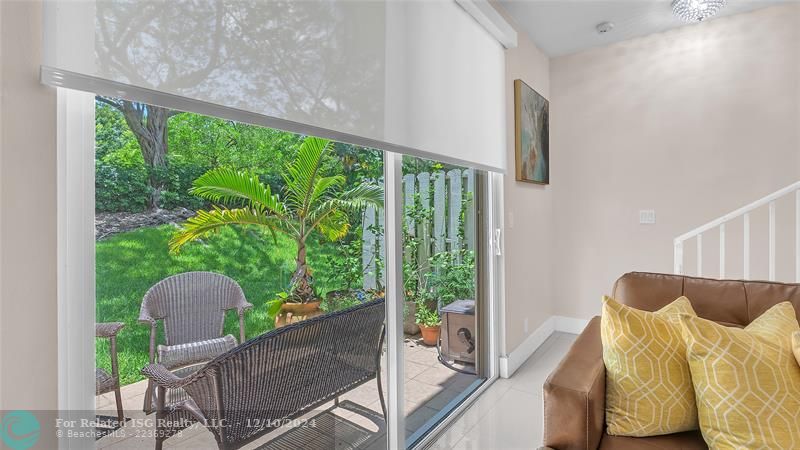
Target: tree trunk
301, 280
149, 124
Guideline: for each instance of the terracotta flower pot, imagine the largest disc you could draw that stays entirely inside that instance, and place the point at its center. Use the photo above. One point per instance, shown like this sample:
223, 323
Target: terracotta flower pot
300, 308
430, 335
295, 312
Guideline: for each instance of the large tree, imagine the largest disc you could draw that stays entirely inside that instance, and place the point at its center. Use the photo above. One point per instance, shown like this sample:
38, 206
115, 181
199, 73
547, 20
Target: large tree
149, 124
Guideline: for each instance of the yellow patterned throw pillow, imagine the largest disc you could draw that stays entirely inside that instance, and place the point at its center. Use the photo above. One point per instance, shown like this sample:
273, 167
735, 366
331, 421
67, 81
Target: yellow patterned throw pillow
746, 381
648, 384
796, 345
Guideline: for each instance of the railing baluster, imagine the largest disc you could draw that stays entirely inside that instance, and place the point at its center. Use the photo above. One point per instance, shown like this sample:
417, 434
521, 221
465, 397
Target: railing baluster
744, 212
699, 255
797, 236
746, 250
722, 251
772, 241
678, 258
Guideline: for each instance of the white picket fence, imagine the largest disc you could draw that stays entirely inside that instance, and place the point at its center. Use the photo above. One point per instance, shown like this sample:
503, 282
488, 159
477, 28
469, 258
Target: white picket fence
449, 190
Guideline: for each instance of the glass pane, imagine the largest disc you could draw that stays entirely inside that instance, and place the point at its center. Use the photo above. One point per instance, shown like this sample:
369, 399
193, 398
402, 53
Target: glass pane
284, 222
442, 352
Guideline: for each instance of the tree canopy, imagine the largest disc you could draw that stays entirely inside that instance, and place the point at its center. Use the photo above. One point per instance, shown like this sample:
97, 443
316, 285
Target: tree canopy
197, 144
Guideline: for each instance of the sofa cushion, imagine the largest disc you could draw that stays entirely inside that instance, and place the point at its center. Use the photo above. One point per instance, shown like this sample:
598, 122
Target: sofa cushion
648, 384
647, 291
729, 302
722, 301
173, 356
747, 381
762, 295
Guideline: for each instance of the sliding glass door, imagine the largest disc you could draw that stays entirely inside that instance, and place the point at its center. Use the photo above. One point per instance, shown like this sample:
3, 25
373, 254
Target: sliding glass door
415, 238
443, 354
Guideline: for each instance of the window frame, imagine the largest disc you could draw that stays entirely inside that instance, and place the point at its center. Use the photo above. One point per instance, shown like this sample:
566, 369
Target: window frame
76, 251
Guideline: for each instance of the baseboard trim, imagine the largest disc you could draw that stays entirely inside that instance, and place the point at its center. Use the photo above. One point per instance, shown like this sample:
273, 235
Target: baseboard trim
511, 362
514, 360
570, 324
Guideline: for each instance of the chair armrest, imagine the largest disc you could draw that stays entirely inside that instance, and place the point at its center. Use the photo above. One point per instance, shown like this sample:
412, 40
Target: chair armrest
575, 395
146, 319
108, 329
162, 376
242, 307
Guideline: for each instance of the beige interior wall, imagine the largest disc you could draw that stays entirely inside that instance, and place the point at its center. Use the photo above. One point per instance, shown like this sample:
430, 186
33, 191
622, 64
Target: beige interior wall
693, 123
28, 327
527, 211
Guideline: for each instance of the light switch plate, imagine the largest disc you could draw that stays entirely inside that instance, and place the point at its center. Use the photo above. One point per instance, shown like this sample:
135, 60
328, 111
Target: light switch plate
647, 216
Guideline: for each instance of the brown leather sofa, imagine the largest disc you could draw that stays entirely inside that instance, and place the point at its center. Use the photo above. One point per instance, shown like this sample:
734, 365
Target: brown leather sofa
574, 394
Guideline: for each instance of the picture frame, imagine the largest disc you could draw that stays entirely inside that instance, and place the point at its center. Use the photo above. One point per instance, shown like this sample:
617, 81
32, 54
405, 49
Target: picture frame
531, 134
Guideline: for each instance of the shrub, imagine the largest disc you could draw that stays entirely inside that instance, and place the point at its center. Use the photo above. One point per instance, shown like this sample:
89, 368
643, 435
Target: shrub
177, 181
346, 267
120, 182
452, 279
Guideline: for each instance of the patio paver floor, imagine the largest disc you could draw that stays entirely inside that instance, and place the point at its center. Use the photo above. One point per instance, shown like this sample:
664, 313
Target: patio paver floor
429, 387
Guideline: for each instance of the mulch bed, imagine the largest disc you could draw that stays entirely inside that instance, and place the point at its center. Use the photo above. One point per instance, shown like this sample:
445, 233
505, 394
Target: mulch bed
109, 224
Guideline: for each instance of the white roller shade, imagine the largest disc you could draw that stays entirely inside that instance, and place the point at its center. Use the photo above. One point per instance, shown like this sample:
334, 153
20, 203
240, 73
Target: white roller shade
422, 78
444, 81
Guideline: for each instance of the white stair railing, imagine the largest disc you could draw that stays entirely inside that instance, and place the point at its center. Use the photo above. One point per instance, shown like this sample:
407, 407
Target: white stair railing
744, 214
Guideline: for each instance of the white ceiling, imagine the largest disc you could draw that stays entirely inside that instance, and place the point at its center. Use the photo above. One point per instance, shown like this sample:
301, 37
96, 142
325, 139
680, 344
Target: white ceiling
561, 27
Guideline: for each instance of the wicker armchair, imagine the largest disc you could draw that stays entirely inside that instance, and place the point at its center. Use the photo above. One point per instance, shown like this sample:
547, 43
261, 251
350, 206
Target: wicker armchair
105, 382
253, 389
192, 307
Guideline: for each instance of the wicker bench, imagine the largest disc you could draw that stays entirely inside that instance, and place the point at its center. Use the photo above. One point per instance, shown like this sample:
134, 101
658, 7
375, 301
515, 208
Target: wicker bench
252, 389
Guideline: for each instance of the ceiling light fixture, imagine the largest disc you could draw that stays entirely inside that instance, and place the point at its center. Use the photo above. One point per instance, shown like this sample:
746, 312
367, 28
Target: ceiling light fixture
696, 10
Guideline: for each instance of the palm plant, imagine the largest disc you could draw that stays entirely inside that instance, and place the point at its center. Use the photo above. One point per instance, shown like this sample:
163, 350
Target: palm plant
310, 202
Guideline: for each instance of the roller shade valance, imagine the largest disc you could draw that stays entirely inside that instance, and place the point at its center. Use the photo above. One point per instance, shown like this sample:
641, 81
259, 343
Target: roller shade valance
419, 77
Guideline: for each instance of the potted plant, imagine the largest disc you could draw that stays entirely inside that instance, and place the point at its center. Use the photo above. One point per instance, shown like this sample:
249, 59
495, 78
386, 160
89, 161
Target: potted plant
309, 203
429, 323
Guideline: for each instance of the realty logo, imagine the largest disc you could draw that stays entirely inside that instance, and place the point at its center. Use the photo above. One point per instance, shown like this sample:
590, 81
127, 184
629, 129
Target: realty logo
20, 430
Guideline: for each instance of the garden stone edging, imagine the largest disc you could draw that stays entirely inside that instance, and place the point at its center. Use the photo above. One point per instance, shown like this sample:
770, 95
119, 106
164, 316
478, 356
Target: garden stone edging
109, 224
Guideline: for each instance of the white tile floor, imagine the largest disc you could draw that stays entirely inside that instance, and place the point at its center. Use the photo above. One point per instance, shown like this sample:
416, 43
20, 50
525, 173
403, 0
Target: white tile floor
509, 414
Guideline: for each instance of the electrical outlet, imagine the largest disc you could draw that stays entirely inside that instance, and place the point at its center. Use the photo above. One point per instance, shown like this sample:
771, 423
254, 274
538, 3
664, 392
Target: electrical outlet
647, 216
525, 325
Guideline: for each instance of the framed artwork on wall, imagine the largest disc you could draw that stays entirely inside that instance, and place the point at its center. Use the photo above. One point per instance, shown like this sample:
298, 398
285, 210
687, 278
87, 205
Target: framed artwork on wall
532, 134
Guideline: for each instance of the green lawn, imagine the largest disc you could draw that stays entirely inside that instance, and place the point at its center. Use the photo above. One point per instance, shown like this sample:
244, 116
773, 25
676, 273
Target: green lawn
128, 264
